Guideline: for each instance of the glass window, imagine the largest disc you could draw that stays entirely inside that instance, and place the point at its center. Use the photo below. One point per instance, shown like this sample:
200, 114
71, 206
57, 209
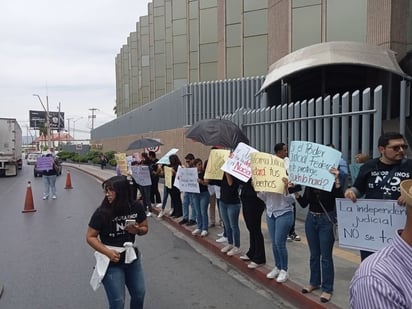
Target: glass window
255, 22
233, 11
255, 56
251, 5
233, 69
204, 4
208, 52
179, 49
179, 27
338, 15
233, 35
306, 26
145, 61
208, 26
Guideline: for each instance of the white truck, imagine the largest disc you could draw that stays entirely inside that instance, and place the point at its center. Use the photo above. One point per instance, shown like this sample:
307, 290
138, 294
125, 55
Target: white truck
10, 147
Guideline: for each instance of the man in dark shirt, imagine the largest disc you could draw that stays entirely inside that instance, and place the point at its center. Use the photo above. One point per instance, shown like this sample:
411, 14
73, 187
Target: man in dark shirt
380, 178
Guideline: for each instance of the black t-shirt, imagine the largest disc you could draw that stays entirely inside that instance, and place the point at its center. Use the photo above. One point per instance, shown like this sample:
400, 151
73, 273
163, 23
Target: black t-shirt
229, 194
112, 233
202, 188
373, 172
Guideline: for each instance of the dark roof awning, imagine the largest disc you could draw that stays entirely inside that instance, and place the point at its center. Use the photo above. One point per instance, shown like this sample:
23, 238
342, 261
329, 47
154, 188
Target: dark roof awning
333, 53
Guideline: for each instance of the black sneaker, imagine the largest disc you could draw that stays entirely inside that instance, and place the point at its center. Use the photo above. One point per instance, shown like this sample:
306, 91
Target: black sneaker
191, 222
183, 221
294, 237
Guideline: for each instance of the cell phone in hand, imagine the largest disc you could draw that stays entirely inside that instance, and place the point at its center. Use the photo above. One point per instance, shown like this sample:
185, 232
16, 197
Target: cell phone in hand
130, 221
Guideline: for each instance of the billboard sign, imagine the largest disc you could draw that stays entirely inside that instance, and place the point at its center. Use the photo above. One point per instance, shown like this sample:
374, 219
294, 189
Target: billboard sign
38, 119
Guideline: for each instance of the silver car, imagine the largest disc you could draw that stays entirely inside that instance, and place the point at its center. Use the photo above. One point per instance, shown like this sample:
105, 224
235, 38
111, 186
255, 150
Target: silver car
32, 158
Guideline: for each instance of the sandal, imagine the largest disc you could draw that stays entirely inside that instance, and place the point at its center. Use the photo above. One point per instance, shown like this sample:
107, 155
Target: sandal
325, 297
309, 288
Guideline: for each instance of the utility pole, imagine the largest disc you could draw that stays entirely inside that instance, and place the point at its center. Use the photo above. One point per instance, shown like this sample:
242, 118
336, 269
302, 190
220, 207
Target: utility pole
93, 115
47, 118
68, 125
58, 127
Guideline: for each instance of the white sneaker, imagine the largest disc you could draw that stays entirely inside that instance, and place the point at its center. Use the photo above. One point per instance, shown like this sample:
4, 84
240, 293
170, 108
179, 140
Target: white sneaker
204, 233
54, 197
253, 265
149, 214
45, 197
221, 239
171, 211
244, 257
161, 214
283, 276
221, 234
233, 251
226, 248
273, 273
159, 205
196, 232
289, 238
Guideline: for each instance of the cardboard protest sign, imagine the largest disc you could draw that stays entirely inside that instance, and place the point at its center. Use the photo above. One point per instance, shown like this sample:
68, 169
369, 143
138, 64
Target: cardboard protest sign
217, 158
310, 164
168, 176
165, 158
141, 174
368, 224
238, 163
121, 162
187, 179
267, 172
44, 163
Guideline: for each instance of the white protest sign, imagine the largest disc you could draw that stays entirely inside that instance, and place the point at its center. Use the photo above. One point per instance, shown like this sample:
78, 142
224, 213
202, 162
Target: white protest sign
141, 174
368, 224
238, 163
310, 164
165, 158
187, 178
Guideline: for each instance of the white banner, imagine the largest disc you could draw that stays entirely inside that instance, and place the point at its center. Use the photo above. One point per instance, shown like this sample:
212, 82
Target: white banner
141, 174
238, 163
186, 179
368, 224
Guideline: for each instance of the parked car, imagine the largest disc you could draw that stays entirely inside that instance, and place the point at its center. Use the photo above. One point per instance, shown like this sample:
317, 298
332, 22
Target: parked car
58, 162
32, 157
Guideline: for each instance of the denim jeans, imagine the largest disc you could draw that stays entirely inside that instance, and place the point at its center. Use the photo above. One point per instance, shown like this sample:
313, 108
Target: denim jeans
145, 191
188, 201
49, 185
120, 275
319, 233
230, 216
279, 228
165, 196
200, 204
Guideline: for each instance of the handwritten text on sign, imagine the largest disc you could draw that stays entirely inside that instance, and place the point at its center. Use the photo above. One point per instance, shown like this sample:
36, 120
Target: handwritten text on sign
267, 172
217, 158
310, 164
368, 224
188, 180
44, 163
141, 174
238, 163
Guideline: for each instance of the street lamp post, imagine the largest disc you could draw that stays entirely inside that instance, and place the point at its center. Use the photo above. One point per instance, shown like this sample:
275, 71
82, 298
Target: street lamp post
47, 118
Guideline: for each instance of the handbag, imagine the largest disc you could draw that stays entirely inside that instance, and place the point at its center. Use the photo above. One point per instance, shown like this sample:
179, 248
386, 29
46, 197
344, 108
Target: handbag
334, 225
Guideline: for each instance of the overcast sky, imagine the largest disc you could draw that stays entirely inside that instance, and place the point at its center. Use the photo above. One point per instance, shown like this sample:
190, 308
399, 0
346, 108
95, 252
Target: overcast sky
64, 50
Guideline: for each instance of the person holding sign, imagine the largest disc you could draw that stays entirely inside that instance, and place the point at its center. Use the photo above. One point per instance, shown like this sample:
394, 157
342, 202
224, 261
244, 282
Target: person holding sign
49, 178
279, 218
384, 279
175, 192
379, 178
201, 201
319, 233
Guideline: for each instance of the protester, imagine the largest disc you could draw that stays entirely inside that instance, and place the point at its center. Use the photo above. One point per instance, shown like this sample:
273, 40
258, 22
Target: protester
230, 210
384, 279
188, 219
319, 227
279, 218
201, 201
160, 172
145, 190
155, 198
175, 192
114, 239
379, 178
49, 180
252, 209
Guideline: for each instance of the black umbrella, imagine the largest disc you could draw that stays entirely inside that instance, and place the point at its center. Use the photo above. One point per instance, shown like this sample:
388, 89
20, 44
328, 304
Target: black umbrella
217, 132
144, 143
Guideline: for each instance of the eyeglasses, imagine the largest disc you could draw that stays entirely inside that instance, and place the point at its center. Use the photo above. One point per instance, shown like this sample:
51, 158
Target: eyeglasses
398, 147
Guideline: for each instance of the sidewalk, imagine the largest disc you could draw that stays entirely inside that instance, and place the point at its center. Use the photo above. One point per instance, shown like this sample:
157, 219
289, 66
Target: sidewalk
346, 261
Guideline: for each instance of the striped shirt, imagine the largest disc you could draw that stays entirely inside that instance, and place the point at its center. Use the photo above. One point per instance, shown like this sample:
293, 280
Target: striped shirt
384, 279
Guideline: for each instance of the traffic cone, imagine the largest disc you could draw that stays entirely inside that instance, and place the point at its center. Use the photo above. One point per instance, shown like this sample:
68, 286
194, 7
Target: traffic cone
28, 204
68, 181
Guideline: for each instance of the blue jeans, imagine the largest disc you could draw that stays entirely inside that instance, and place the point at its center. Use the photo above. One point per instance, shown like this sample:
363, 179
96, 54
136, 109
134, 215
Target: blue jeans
279, 228
165, 196
120, 275
200, 204
49, 185
230, 216
188, 200
319, 233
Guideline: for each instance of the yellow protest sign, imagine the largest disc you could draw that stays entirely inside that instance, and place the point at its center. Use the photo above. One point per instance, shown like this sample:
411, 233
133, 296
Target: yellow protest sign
267, 172
121, 162
216, 159
168, 176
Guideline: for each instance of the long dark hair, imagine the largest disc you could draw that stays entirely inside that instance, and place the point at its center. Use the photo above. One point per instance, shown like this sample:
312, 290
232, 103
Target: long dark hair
122, 203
